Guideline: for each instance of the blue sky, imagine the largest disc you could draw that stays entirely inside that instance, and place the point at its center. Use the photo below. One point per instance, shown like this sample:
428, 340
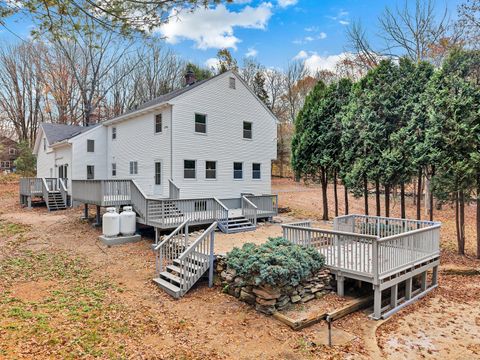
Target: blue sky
274, 31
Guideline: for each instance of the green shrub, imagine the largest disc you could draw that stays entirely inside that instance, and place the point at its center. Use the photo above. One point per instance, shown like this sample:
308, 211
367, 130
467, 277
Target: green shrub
276, 262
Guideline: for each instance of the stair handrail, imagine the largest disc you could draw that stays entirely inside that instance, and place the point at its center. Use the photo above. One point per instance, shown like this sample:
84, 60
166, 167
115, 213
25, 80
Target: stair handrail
165, 251
222, 215
63, 190
173, 190
200, 247
139, 200
249, 210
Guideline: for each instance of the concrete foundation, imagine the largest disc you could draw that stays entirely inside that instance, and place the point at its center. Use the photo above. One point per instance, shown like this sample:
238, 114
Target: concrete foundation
118, 240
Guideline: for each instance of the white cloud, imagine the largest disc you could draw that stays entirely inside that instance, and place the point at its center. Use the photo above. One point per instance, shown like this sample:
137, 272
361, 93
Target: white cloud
315, 62
301, 55
310, 38
286, 3
341, 17
214, 27
252, 52
322, 35
311, 29
211, 63
343, 22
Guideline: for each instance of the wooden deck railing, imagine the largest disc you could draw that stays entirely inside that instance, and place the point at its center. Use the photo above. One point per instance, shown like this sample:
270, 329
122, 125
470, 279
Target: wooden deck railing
171, 247
222, 216
267, 205
369, 255
173, 190
102, 192
249, 210
31, 186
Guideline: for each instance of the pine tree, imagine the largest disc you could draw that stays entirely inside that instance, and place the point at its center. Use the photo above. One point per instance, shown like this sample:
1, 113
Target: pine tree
226, 61
259, 87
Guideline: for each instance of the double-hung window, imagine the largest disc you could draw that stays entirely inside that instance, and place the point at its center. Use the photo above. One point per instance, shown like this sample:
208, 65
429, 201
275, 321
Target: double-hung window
189, 169
238, 170
114, 169
210, 169
256, 173
133, 167
158, 123
247, 130
90, 145
201, 123
158, 173
90, 172
114, 133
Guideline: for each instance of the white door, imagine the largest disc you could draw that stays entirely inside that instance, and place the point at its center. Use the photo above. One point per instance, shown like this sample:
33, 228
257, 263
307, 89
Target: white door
158, 181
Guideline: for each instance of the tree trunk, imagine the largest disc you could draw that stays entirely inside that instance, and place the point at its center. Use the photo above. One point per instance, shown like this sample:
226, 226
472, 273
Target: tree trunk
478, 214
457, 223
324, 181
427, 195
461, 245
387, 201
431, 197
419, 194
377, 197
365, 194
414, 197
335, 193
345, 189
402, 201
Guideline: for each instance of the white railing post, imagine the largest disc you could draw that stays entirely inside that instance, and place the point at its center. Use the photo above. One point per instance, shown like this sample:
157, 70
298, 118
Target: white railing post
211, 256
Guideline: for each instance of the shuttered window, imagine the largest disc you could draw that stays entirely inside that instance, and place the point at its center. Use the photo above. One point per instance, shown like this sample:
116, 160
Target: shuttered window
133, 168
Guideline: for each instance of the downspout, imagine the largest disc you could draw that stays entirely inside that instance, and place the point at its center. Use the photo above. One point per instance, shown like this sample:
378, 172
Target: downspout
171, 142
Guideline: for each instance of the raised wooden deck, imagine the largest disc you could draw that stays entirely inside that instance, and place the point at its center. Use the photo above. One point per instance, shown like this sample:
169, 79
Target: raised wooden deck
382, 251
168, 213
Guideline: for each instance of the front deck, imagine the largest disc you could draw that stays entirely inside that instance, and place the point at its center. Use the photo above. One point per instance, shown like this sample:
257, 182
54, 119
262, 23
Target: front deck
385, 252
168, 213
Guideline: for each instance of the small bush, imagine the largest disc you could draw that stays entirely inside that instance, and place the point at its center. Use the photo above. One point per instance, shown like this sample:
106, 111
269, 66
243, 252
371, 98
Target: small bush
276, 262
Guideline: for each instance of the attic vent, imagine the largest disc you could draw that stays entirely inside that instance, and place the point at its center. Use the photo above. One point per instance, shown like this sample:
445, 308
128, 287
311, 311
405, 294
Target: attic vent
232, 83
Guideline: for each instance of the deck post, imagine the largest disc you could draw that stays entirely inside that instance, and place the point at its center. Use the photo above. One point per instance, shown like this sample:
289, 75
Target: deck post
97, 216
424, 281
377, 302
394, 296
29, 202
85, 211
408, 288
435, 275
340, 285
210, 269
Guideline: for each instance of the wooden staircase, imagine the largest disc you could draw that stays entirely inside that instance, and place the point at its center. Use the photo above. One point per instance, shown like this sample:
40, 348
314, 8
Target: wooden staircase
181, 263
55, 201
237, 224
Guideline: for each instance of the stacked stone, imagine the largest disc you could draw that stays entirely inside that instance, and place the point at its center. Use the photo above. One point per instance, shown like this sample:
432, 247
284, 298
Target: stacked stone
268, 299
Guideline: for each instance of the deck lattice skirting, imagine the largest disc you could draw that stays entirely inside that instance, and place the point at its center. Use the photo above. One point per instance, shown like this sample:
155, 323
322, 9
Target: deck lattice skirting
385, 252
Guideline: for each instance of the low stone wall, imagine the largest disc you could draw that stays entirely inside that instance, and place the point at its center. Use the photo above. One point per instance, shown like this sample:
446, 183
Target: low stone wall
267, 299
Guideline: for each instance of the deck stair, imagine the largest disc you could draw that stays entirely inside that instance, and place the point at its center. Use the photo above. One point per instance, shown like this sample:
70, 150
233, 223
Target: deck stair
55, 201
180, 263
239, 223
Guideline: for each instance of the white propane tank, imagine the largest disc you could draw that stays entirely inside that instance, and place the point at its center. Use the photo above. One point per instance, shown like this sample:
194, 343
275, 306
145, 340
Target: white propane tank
128, 221
111, 223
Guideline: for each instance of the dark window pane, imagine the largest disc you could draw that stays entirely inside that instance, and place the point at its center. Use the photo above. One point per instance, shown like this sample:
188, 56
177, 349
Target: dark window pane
232, 83
238, 170
200, 123
90, 172
158, 173
210, 170
158, 123
90, 145
189, 169
114, 133
247, 130
114, 169
256, 173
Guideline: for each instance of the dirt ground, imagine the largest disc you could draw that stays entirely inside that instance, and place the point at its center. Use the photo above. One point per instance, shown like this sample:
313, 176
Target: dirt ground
65, 295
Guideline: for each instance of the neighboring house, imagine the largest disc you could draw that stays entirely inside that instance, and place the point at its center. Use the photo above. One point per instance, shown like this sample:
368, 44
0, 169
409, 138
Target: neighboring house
8, 154
70, 152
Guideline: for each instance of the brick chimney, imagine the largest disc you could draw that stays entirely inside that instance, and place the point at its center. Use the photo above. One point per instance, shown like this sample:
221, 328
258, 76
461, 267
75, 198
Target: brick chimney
189, 78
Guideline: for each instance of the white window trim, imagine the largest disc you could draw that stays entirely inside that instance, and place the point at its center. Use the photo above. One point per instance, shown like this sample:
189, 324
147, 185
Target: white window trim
155, 173
88, 141
243, 171
196, 170
260, 178
130, 167
243, 130
155, 124
195, 124
216, 170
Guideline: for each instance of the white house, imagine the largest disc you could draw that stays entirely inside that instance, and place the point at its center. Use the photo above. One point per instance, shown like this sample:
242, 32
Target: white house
212, 140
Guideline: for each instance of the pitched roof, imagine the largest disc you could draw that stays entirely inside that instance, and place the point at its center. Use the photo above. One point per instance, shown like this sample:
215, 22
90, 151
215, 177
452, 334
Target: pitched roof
59, 132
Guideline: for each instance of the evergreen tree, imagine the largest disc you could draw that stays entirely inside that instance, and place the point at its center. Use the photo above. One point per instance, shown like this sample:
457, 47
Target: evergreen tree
259, 87
26, 162
200, 72
226, 61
